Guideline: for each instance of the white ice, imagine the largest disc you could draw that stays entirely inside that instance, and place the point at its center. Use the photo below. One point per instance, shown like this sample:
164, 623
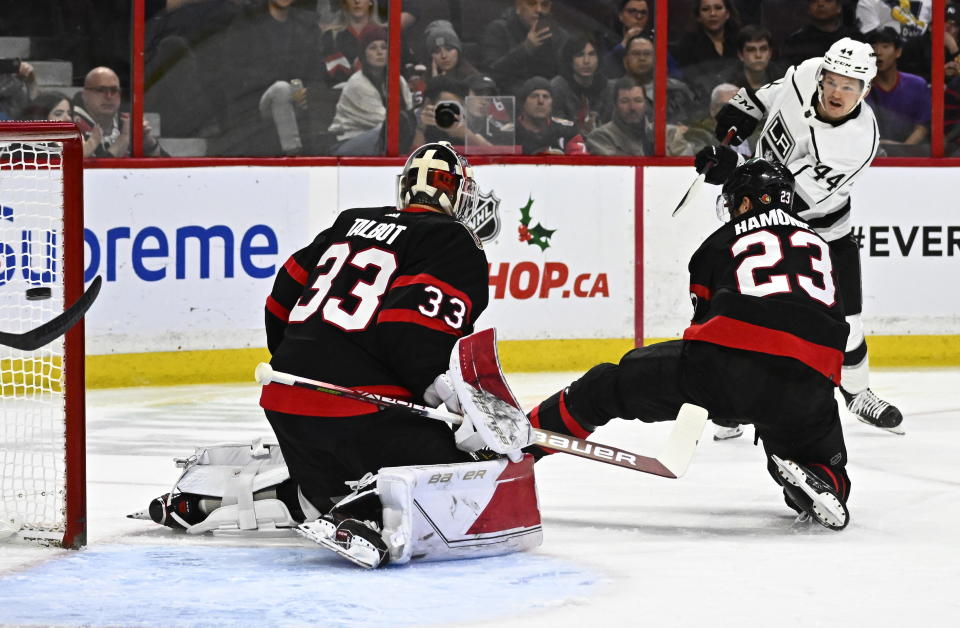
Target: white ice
715, 548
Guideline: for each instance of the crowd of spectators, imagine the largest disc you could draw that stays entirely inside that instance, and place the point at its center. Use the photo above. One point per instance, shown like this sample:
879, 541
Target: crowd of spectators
309, 77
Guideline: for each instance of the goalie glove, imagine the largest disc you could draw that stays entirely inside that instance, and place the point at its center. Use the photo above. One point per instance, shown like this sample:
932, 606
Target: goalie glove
491, 423
441, 391
742, 113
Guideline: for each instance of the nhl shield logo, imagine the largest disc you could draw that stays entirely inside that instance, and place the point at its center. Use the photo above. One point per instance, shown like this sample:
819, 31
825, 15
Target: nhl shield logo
485, 221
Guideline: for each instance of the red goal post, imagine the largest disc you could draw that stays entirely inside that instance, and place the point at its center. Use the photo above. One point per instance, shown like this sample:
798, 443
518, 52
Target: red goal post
42, 392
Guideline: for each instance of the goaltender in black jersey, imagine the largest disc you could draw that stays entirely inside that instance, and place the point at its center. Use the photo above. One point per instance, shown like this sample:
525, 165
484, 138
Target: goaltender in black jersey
764, 346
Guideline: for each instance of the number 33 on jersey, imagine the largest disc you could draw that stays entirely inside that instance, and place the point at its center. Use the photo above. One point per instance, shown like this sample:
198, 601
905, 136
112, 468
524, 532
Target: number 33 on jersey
378, 300
765, 282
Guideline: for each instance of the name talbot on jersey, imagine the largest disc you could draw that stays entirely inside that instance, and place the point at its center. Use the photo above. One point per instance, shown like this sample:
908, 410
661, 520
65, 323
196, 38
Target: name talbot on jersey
373, 230
772, 217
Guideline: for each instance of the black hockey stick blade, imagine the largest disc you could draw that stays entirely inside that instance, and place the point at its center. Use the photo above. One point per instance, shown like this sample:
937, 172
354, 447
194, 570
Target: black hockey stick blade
55, 327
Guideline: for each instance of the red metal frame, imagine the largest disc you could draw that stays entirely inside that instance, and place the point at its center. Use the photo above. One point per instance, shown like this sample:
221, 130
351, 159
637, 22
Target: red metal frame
937, 76
138, 33
638, 257
660, 78
75, 535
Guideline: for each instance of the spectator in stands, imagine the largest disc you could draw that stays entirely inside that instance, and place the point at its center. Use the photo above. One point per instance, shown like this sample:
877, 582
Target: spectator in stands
18, 85
701, 134
538, 132
629, 132
446, 52
277, 92
639, 63
341, 37
49, 106
453, 129
580, 92
362, 107
708, 52
755, 51
97, 113
900, 101
917, 57
633, 18
489, 114
826, 27
524, 42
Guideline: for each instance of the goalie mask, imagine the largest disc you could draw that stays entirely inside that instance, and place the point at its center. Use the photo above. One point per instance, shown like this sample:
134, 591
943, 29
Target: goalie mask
848, 57
768, 185
437, 176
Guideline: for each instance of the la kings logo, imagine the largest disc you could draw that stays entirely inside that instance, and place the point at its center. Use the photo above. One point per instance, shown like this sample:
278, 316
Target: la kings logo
778, 139
485, 221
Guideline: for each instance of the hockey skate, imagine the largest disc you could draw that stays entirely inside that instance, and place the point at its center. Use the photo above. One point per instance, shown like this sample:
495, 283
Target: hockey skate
811, 495
873, 410
726, 432
357, 541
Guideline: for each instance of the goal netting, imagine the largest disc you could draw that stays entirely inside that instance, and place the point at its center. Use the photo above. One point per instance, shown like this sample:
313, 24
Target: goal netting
42, 484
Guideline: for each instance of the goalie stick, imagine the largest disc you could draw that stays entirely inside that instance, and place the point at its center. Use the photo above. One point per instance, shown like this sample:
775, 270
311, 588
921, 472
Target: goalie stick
695, 186
672, 463
55, 327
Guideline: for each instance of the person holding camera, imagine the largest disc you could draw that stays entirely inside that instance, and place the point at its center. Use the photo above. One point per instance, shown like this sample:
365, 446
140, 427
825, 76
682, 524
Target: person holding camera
18, 86
106, 131
442, 117
524, 42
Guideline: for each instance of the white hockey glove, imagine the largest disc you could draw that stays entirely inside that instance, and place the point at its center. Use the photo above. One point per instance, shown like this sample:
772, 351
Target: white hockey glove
441, 391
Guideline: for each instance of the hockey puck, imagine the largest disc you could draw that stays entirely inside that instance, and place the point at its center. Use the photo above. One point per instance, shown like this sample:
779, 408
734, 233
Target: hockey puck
38, 294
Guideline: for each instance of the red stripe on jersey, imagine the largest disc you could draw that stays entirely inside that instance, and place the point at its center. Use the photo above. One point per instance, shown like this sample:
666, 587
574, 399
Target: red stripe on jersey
701, 291
729, 332
306, 402
571, 424
274, 307
409, 316
430, 280
296, 271
419, 209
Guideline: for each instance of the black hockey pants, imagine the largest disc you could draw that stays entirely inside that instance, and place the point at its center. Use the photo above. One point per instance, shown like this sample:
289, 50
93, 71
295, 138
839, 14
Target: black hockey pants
791, 405
323, 453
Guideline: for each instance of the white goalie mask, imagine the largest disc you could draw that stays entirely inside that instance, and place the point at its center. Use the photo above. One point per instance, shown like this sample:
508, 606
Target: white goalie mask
438, 176
848, 57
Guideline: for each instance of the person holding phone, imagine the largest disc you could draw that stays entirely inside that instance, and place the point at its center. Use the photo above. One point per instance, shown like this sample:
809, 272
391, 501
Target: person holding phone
522, 43
18, 86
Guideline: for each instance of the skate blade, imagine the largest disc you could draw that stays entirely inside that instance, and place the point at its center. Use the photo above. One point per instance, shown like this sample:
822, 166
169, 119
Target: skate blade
898, 430
821, 502
320, 539
143, 515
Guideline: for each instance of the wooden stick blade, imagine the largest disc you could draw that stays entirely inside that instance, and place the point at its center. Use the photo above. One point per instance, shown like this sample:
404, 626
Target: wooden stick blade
691, 193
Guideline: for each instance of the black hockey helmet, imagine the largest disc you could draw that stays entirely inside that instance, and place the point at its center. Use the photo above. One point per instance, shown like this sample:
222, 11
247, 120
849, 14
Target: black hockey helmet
438, 176
768, 185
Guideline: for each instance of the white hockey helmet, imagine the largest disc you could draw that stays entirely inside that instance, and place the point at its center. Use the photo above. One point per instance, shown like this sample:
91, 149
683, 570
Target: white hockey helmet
849, 57
438, 176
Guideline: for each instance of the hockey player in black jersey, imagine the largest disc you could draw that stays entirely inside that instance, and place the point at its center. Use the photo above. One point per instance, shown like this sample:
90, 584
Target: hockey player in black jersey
817, 124
765, 346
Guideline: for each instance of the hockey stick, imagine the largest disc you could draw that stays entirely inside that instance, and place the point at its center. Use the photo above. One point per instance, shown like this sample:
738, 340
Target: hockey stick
55, 327
672, 463
695, 186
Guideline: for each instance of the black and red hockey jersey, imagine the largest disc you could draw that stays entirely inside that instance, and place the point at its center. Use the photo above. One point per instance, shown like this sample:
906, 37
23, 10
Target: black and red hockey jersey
765, 282
376, 303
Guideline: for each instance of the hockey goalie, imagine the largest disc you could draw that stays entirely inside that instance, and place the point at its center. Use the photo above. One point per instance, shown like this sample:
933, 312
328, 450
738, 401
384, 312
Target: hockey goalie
382, 304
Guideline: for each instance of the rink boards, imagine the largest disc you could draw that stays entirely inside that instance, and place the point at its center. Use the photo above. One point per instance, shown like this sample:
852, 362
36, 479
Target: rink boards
583, 260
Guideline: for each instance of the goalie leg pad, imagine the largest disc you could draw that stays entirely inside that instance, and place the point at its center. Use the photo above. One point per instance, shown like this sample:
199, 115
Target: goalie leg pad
455, 511
230, 488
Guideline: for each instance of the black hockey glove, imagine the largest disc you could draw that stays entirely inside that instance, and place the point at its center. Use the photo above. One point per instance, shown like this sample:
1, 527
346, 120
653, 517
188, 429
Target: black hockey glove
730, 116
724, 161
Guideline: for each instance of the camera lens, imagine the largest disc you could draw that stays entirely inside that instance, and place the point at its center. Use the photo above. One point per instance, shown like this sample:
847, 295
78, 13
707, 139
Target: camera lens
446, 113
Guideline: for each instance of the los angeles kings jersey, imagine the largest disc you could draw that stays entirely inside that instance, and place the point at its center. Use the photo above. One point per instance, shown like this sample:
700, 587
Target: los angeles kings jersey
765, 282
824, 157
376, 303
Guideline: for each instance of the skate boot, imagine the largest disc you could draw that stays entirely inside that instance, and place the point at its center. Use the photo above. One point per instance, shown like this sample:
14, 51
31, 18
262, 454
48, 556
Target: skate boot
357, 541
726, 432
874, 411
808, 493
178, 512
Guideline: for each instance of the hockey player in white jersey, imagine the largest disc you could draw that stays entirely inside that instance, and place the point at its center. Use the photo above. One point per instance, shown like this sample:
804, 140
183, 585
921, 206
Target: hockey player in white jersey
817, 124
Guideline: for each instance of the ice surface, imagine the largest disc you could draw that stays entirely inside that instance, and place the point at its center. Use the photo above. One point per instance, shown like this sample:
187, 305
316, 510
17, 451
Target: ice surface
715, 548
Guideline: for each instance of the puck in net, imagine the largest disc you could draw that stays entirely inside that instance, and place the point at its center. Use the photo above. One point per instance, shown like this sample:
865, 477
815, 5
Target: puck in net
38, 294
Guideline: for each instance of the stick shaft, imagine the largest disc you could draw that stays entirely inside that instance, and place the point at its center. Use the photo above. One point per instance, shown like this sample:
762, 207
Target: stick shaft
55, 327
691, 191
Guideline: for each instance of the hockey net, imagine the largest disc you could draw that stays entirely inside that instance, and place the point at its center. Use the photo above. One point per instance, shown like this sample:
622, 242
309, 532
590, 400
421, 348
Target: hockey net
42, 442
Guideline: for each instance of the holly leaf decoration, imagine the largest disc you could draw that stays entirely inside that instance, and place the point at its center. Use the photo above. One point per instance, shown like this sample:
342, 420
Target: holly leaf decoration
537, 235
